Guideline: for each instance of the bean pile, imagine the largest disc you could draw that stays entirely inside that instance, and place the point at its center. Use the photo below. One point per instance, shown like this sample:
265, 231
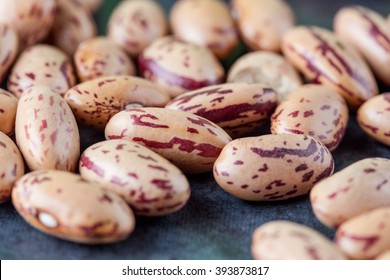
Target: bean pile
187, 114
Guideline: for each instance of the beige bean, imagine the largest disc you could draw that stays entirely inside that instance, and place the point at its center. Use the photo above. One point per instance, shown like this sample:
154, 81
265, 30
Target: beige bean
313, 110
95, 102
262, 23
46, 130
66, 206
267, 68
373, 117
31, 19
384, 256
237, 108
285, 240
149, 183
135, 24
272, 167
190, 142
358, 188
324, 59
92, 5
369, 33
42, 65
8, 105
11, 167
9, 46
365, 236
72, 25
178, 67
205, 23
100, 57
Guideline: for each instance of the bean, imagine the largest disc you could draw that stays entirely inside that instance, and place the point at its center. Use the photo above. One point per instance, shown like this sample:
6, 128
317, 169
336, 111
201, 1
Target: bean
66, 206
9, 46
8, 105
149, 183
272, 167
190, 142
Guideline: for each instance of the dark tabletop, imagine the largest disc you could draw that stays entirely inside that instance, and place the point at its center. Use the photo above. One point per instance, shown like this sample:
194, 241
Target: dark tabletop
213, 225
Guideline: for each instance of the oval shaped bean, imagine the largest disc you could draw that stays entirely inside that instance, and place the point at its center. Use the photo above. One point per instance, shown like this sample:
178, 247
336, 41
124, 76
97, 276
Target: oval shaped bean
237, 108
9, 45
262, 23
190, 142
66, 206
313, 110
268, 68
358, 188
384, 256
11, 168
285, 240
177, 67
149, 183
95, 102
99, 57
42, 65
365, 236
324, 59
31, 19
46, 130
72, 25
369, 33
373, 117
135, 24
8, 105
272, 167
205, 23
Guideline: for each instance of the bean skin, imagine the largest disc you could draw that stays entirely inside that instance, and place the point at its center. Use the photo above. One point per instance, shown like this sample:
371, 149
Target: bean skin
8, 105
190, 142
94, 102
324, 59
11, 168
42, 65
365, 236
46, 130
66, 206
9, 47
237, 108
285, 240
358, 188
149, 183
250, 168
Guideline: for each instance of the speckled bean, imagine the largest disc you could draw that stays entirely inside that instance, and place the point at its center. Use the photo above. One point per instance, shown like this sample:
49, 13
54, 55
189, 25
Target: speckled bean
100, 57
358, 188
205, 23
42, 65
272, 167
268, 68
285, 240
365, 236
95, 102
65, 205
373, 117
237, 108
46, 130
262, 23
31, 19
313, 110
8, 105
177, 67
149, 183
190, 142
11, 168
9, 45
324, 59
369, 33
72, 25
135, 24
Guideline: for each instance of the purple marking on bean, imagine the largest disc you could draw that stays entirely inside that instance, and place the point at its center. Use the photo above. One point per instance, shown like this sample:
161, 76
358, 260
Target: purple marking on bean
87, 163
281, 152
301, 167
